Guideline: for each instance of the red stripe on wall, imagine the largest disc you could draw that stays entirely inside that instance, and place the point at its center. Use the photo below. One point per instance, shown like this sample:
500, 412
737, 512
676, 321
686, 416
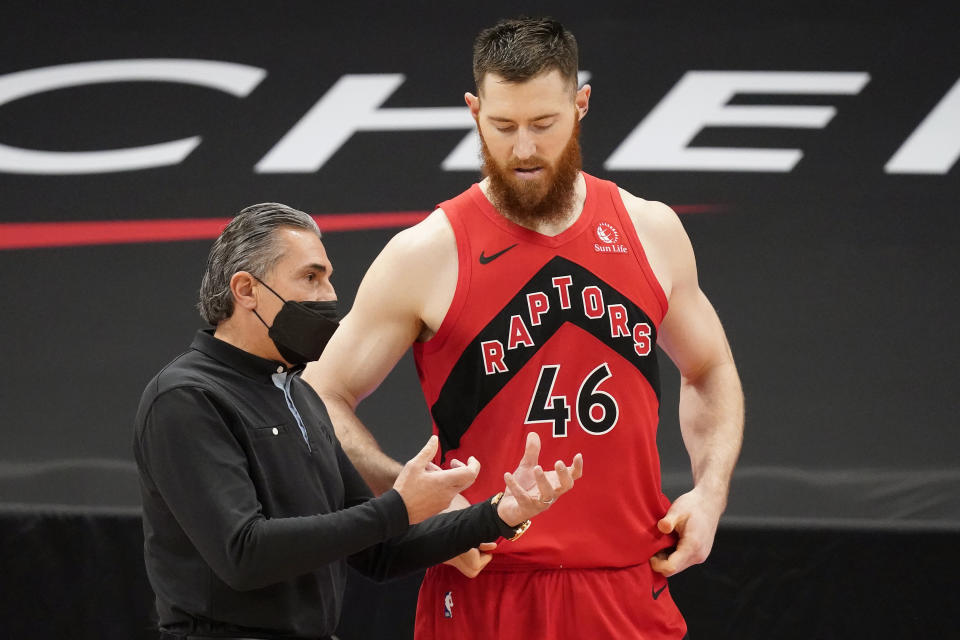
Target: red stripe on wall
30, 235
33, 235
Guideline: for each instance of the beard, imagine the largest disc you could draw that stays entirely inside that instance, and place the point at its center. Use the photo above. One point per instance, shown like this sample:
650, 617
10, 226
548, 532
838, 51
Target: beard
548, 198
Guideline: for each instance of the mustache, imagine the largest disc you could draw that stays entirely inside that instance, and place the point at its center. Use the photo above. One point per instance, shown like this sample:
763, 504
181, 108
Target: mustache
535, 162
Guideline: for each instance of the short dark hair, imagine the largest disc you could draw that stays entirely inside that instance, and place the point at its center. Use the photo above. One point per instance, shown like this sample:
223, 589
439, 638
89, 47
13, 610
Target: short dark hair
248, 243
522, 48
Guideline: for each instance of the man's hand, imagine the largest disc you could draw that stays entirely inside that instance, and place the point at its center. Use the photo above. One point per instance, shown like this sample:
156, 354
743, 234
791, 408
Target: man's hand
524, 473
426, 489
530, 491
531, 456
471, 563
694, 519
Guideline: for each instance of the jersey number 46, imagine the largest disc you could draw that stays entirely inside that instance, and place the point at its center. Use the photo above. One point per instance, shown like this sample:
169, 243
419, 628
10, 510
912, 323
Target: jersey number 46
597, 410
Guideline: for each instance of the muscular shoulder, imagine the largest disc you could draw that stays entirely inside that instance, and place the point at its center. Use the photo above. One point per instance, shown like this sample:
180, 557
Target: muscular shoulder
413, 279
422, 244
652, 218
663, 238
433, 233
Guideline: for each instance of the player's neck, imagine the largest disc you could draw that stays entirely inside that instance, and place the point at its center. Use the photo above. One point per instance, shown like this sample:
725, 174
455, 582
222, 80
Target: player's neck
548, 227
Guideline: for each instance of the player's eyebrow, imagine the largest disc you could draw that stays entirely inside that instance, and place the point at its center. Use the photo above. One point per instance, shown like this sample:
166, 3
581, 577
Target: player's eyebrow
534, 119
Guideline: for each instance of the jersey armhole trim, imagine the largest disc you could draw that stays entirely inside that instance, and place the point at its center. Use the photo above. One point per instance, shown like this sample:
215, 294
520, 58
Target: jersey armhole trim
463, 280
639, 253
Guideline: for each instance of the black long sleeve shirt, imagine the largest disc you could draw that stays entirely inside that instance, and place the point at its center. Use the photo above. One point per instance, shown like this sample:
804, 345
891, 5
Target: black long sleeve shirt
251, 509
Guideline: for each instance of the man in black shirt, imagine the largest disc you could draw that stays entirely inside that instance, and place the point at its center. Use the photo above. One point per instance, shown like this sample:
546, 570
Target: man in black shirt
251, 509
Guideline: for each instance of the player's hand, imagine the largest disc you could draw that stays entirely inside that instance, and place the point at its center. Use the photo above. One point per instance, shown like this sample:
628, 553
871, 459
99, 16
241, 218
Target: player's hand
692, 519
529, 490
470, 563
426, 489
524, 473
531, 458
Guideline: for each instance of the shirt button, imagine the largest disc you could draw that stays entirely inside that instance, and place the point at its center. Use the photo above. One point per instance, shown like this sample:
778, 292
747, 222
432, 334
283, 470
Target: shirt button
276, 431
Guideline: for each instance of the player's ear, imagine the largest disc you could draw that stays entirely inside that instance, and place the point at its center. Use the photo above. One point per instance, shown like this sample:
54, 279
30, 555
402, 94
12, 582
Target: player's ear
582, 100
473, 102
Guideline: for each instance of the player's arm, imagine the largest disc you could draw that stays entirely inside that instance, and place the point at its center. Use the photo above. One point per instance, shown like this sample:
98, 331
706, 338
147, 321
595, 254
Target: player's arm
386, 318
711, 398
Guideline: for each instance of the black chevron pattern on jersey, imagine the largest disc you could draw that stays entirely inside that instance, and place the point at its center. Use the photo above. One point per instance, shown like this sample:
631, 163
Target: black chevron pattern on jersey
467, 390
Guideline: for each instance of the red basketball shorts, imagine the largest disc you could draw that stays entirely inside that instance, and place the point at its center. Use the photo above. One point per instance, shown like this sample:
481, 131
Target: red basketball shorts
630, 603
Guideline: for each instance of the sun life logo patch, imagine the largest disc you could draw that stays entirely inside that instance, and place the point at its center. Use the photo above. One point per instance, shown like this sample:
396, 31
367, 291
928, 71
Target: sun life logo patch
609, 239
607, 233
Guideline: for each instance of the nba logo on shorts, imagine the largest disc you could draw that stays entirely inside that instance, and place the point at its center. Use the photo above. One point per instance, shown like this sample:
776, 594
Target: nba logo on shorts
448, 605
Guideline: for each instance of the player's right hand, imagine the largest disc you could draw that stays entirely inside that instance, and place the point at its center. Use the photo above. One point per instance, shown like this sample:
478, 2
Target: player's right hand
471, 562
426, 489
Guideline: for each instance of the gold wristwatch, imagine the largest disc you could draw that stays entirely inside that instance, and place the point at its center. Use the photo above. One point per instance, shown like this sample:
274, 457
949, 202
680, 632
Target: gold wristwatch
517, 530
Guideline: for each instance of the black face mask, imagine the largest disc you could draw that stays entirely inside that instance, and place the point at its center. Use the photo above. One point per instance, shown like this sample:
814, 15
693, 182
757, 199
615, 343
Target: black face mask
301, 329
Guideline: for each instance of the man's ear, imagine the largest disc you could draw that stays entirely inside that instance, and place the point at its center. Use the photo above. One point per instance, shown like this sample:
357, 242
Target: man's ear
473, 102
582, 100
241, 286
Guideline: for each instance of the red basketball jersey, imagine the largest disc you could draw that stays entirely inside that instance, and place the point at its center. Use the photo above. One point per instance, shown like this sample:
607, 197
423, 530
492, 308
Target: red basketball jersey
556, 335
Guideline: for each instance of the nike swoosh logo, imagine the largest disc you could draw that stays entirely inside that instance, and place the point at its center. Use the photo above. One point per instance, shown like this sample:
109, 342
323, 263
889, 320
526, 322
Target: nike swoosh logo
487, 259
656, 593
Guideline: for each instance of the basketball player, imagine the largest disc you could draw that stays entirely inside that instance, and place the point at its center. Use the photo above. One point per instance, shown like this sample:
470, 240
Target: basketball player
535, 300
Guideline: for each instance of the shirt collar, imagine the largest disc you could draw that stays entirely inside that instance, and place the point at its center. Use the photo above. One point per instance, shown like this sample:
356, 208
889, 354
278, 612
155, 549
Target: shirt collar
238, 359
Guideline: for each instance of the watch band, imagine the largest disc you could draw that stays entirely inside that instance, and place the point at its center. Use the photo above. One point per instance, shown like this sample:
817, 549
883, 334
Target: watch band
517, 530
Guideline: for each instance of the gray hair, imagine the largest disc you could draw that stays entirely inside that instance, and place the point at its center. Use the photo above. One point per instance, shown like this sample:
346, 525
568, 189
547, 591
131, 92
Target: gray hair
521, 49
246, 244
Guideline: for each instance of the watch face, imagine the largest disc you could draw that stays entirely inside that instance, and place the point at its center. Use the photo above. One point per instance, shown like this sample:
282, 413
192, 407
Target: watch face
523, 526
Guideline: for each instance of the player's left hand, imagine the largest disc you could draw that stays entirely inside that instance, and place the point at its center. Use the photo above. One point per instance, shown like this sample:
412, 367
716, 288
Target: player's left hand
525, 473
693, 518
530, 490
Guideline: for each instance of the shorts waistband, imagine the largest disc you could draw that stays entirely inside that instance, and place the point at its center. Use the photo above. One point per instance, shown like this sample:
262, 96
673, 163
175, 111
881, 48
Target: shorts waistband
494, 567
